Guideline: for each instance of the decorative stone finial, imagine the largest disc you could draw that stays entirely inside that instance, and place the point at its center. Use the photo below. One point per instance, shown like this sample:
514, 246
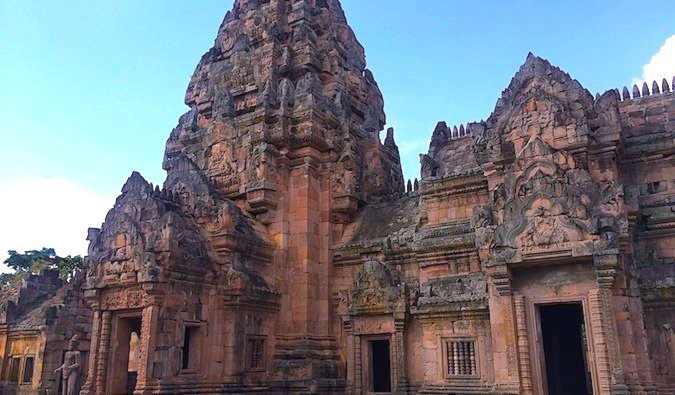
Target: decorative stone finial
286, 61
389, 140
664, 86
287, 93
636, 91
645, 89
655, 88
618, 95
626, 94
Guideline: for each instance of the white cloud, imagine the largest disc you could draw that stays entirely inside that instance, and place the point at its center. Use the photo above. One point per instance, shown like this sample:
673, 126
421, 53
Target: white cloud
38, 212
660, 66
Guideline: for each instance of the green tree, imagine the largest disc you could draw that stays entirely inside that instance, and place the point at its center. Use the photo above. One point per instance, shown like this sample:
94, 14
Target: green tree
34, 261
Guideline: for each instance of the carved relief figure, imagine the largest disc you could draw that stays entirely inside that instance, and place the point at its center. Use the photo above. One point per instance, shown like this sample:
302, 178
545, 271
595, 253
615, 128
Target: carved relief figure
71, 368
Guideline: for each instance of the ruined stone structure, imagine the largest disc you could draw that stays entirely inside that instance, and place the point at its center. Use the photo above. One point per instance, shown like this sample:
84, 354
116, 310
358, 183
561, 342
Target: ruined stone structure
37, 320
283, 255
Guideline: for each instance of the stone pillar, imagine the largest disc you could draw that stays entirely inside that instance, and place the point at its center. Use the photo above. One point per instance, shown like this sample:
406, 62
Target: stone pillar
358, 366
523, 345
4, 333
147, 341
351, 355
602, 364
93, 353
399, 342
103, 350
503, 328
602, 302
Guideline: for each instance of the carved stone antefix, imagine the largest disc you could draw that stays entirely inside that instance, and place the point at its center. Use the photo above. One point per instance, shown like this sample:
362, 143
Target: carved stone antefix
261, 193
344, 179
429, 167
193, 192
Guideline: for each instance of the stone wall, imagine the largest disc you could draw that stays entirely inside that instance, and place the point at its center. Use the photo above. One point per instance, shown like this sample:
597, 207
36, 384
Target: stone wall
41, 318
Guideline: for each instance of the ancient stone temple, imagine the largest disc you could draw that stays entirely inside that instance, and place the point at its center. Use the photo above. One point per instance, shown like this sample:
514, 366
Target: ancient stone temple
38, 318
284, 254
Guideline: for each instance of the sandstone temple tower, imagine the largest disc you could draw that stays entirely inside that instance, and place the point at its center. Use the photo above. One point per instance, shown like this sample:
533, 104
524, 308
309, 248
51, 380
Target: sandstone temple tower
283, 254
231, 258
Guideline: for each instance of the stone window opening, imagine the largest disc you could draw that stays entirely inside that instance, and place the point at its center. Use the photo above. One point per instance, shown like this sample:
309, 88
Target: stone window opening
28, 366
14, 370
255, 353
191, 348
461, 360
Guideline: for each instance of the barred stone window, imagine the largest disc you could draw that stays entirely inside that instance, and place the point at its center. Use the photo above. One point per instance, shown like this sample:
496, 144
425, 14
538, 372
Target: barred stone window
461, 356
255, 347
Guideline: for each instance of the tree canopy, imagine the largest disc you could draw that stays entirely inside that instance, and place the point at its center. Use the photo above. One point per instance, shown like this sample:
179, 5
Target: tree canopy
34, 261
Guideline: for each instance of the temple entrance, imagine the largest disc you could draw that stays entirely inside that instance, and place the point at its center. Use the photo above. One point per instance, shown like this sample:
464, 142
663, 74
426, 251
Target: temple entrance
380, 366
565, 349
124, 355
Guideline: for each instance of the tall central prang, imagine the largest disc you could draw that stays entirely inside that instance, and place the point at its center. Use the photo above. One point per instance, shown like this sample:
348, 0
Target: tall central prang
284, 121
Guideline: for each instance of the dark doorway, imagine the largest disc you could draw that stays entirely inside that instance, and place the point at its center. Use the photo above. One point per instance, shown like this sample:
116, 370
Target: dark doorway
125, 354
564, 338
380, 364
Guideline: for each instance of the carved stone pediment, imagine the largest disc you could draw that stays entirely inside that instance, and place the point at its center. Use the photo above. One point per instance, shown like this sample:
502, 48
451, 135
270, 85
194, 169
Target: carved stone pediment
544, 201
376, 290
143, 235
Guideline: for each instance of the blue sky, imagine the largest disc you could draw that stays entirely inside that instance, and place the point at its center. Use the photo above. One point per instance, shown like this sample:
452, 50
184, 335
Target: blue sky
89, 90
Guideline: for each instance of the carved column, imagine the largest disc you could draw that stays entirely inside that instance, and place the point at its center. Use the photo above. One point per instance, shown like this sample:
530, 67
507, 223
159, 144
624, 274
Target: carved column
93, 352
148, 336
104, 346
523, 345
358, 365
351, 358
401, 377
605, 269
4, 333
503, 327
599, 342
